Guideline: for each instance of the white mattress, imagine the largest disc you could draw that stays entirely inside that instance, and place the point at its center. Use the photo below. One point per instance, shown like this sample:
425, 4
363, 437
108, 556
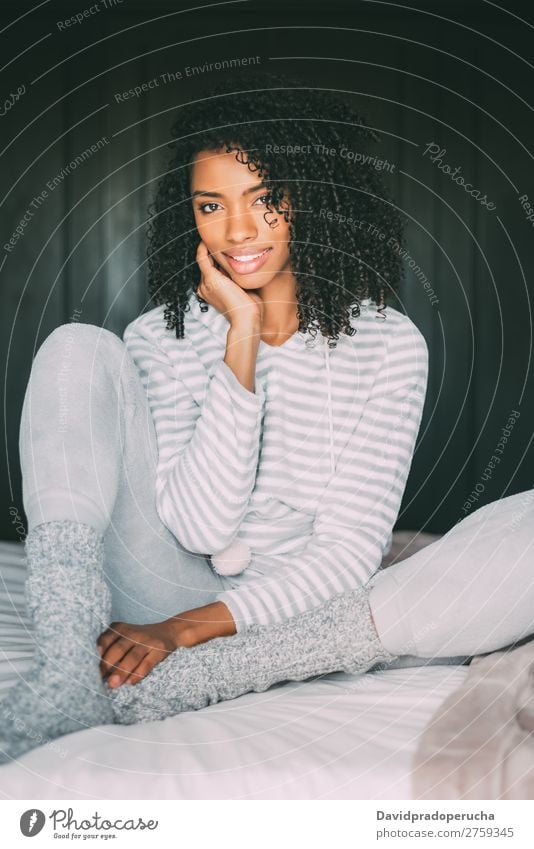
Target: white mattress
338, 737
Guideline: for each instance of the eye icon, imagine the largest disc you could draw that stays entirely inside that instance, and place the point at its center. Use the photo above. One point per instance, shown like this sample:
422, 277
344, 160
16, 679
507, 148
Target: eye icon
32, 822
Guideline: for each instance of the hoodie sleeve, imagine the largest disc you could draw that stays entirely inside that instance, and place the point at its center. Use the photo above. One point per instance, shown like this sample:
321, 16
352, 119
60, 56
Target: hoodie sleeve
360, 505
208, 454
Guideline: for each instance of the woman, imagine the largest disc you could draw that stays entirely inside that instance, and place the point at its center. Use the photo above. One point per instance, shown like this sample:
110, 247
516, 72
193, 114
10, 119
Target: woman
229, 477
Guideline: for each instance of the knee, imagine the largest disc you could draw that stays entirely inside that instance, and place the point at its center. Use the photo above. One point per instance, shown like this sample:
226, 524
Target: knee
78, 335
78, 343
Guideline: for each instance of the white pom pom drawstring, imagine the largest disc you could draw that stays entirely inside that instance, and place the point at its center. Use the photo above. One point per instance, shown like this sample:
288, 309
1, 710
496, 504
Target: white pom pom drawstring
233, 559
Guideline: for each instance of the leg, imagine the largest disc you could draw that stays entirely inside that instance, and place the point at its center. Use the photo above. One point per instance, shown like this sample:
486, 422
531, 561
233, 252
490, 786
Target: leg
88, 462
337, 636
88, 454
469, 593
67, 600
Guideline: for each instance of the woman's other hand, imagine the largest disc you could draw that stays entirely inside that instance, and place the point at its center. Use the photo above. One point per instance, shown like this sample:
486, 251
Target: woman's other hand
242, 309
129, 652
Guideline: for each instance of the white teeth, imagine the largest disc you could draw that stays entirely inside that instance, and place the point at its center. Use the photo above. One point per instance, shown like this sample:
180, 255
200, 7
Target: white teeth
248, 258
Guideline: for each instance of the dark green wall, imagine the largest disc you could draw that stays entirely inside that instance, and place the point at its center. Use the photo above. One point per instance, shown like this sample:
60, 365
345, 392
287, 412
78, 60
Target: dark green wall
456, 74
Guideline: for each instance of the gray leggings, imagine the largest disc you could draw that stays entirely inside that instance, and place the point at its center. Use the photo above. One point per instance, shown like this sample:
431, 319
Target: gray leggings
88, 453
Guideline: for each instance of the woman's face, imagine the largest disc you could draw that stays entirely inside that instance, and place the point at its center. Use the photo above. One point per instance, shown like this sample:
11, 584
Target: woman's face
229, 205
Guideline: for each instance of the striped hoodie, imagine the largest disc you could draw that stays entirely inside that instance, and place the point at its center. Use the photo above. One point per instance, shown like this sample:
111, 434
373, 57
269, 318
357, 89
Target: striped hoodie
308, 470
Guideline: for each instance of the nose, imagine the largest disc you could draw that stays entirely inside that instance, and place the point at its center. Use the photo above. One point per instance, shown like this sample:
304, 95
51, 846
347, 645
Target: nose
241, 226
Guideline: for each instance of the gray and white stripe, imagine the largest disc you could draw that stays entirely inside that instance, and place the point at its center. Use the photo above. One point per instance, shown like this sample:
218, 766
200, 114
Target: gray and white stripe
255, 466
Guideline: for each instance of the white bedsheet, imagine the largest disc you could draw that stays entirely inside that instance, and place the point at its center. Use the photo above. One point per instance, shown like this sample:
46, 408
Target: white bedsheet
338, 737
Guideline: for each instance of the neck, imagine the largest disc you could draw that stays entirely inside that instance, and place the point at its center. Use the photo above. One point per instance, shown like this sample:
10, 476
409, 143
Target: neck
279, 309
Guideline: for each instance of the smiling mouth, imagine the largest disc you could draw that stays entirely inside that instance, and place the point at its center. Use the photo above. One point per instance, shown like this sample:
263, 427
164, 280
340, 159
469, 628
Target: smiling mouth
247, 263
247, 257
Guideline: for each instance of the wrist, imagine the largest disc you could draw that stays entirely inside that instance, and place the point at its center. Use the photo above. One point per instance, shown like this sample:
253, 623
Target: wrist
245, 330
201, 624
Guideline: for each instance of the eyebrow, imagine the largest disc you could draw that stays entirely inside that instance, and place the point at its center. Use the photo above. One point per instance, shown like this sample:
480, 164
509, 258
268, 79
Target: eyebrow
219, 195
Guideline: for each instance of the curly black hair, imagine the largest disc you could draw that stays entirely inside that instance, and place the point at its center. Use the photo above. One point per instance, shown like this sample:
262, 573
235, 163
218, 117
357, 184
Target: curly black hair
302, 142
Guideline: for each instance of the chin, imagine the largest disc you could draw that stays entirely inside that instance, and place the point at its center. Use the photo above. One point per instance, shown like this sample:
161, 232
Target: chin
252, 281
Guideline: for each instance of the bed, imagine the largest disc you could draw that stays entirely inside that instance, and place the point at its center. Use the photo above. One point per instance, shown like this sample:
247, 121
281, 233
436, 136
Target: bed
335, 737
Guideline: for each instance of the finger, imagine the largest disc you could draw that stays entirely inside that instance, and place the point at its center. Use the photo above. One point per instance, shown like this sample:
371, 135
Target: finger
125, 666
106, 639
113, 630
142, 669
114, 657
115, 653
204, 260
129, 663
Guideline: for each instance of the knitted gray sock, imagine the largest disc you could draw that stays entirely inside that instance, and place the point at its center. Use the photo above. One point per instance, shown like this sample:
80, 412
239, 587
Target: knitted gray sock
338, 636
70, 605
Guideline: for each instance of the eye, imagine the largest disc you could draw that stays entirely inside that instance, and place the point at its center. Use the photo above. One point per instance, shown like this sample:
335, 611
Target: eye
202, 208
265, 198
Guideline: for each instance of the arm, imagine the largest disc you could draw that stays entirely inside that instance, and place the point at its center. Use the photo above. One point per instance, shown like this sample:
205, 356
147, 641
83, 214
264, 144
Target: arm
129, 652
208, 455
360, 504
